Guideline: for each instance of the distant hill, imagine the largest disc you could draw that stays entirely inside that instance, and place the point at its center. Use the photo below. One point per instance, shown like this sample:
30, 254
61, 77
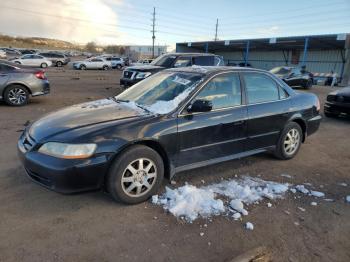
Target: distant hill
36, 42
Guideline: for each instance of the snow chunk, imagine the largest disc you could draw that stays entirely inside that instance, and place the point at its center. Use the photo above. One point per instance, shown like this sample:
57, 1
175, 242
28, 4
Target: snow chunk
343, 184
313, 203
317, 193
269, 205
302, 189
155, 199
249, 226
236, 216
286, 175
237, 205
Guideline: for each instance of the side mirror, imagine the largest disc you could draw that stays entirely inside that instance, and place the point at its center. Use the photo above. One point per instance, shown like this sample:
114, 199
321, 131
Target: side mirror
200, 106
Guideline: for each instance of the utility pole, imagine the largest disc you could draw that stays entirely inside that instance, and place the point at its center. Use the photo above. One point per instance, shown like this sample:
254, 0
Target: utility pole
216, 30
153, 31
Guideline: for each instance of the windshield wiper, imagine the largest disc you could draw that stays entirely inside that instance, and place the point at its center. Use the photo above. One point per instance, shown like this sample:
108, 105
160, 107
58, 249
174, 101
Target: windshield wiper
143, 108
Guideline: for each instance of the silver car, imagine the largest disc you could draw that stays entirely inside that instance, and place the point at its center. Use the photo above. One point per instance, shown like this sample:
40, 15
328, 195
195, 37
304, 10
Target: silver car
18, 83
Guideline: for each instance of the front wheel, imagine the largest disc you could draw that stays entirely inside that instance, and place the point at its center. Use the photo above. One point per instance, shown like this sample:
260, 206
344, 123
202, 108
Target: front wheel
105, 67
119, 66
82, 67
135, 175
43, 65
59, 64
289, 141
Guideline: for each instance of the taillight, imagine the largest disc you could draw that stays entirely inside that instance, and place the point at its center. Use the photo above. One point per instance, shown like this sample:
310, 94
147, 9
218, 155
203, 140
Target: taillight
318, 105
40, 75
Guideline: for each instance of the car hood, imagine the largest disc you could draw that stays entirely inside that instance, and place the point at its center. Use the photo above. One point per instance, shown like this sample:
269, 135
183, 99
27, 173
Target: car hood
342, 92
144, 68
83, 115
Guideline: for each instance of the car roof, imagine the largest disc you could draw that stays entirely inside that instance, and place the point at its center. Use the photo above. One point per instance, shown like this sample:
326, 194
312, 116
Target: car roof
191, 54
208, 70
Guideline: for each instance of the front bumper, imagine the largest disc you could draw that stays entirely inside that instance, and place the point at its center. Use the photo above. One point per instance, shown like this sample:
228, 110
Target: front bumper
337, 108
62, 175
128, 82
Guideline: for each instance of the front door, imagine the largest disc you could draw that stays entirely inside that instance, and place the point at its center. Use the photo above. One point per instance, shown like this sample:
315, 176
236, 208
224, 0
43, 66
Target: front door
217, 133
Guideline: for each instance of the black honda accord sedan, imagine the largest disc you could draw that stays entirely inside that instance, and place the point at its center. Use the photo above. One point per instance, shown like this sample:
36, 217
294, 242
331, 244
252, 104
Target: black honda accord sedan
176, 120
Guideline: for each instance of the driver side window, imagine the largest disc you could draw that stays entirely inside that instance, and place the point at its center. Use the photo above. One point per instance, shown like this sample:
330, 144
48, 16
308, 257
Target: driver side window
222, 91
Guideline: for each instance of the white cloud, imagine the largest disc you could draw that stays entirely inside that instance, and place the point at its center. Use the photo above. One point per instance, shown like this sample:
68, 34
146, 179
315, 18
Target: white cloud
90, 20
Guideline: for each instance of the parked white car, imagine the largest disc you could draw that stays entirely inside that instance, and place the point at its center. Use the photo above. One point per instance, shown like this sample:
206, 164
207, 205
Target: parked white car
93, 63
33, 60
2, 54
142, 62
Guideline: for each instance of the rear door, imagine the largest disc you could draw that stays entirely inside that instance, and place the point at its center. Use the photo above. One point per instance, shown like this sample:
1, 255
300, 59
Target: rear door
218, 133
268, 109
4, 76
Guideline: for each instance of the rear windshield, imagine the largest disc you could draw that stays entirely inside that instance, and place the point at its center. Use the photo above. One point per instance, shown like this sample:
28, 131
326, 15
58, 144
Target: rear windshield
165, 61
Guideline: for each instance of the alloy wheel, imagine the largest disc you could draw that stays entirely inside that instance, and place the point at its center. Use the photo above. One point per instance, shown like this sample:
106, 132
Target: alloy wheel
17, 96
139, 177
291, 141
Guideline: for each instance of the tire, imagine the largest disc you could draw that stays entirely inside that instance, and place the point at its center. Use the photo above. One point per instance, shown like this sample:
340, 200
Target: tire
282, 151
105, 67
59, 64
43, 65
308, 84
119, 66
17, 62
16, 95
82, 67
127, 167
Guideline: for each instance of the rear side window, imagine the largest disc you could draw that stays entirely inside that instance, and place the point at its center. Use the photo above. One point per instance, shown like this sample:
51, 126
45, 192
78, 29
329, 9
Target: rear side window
183, 62
222, 91
260, 88
203, 60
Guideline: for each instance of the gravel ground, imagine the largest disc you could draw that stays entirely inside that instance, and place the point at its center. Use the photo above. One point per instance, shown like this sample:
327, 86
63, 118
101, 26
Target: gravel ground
40, 225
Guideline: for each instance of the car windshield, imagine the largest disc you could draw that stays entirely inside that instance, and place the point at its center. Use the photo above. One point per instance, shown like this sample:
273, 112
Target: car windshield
163, 92
165, 60
280, 70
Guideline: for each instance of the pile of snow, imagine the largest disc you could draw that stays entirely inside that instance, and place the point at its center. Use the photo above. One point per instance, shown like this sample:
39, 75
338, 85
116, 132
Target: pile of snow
191, 202
249, 226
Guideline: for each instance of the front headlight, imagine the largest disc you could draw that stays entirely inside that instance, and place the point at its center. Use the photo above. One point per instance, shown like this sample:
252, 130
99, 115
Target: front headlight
68, 151
142, 75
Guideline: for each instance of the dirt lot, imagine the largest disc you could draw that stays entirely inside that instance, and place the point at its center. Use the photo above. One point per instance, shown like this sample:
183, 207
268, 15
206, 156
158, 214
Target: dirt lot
40, 225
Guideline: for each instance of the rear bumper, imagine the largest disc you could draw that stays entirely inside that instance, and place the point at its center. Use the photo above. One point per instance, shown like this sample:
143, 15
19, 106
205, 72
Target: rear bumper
64, 175
41, 88
337, 108
313, 125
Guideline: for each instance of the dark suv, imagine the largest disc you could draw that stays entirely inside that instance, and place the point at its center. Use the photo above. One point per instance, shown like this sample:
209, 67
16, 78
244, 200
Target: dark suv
134, 74
57, 59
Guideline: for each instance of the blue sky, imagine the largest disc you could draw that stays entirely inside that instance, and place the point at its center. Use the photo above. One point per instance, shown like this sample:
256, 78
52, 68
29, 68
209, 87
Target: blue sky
129, 22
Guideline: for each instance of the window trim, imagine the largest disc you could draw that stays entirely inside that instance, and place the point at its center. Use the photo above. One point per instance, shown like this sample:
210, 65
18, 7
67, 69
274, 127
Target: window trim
182, 110
265, 102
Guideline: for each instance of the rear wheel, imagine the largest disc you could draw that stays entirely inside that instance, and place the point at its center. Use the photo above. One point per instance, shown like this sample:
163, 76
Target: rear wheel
59, 64
119, 66
16, 95
135, 175
289, 141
